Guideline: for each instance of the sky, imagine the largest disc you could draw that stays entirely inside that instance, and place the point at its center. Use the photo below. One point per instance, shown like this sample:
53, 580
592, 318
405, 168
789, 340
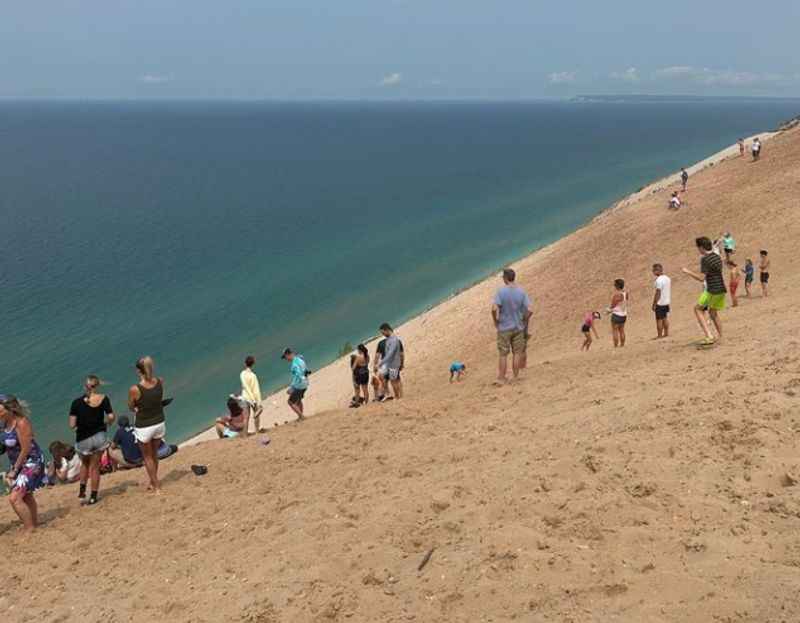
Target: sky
506, 49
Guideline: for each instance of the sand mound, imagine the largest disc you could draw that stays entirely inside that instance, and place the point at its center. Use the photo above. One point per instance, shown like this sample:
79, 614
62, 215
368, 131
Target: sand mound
657, 483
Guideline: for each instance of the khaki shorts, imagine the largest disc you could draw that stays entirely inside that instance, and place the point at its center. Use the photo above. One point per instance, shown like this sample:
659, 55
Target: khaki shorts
511, 342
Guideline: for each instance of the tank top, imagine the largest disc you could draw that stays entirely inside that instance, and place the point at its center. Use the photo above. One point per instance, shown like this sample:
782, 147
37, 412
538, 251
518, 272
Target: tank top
149, 410
621, 308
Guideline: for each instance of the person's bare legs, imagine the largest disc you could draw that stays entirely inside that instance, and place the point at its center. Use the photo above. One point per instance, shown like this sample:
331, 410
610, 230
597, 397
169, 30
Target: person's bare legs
665, 327
219, 426
22, 508
397, 389
84, 478
517, 359
621, 335
33, 508
764, 290
699, 313
365, 393
716, 320
615, 334
297, 407
94, 471
502, 368
587, 342
150, 456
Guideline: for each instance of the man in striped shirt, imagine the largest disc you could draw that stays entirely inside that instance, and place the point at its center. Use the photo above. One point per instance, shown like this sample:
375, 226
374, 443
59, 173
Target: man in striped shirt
712, 300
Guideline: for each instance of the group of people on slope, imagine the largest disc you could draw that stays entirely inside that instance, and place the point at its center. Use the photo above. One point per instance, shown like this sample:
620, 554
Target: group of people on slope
386, 366
755, 148
89, 416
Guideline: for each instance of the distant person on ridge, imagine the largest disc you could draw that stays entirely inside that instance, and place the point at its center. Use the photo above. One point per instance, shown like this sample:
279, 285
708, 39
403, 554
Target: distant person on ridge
661, 301
740, 142
749, 272
251, 396
756, 148
146, 400
392, 362
511, 314
588, 328
619, 313
712, 300
684, 179
299, 383
89, 417
763, 268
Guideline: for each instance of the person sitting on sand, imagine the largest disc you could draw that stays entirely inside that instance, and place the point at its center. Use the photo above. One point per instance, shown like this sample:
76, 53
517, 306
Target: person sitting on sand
740, 142
458, 371
763, 269
749, 272
125, 452
359, 366
251, 395
511, 314
26, 471
299, 383
392, 362
66, 464
233, 423
588, 328
755, 148
734, 275
684, 179
89, 416
661, 301
674, 201
619, 313
712, 300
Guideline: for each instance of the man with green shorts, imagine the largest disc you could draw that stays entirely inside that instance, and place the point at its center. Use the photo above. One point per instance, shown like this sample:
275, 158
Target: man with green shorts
712, 300
511, 315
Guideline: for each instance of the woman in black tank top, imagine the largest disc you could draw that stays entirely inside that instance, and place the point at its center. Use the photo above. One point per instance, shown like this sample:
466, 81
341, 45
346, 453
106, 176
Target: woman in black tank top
145, 400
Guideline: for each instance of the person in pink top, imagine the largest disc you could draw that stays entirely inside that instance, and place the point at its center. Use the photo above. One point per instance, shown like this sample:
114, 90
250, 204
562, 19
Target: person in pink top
588, 328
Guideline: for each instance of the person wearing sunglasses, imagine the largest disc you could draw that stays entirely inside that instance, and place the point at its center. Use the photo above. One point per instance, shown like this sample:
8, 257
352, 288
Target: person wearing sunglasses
27, 465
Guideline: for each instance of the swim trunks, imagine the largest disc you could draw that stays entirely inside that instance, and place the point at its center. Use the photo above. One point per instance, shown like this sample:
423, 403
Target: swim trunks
511, 341
585, 328
712, 301
764, 277
662, 311
296, 395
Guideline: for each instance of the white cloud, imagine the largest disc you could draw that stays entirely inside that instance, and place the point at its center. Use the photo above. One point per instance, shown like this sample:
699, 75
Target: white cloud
562, 77
715, 77
154, 79
629, 75
391, 80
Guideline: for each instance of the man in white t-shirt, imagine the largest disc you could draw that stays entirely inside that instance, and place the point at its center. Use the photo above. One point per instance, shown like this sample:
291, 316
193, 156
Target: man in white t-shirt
661, 301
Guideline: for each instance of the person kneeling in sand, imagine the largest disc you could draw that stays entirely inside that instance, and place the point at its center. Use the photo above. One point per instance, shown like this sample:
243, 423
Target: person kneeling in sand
233, 422
125, 452
458, 371
712, 300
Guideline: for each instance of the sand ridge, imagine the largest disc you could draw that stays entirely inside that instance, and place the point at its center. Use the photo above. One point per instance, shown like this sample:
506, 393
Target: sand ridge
653, 483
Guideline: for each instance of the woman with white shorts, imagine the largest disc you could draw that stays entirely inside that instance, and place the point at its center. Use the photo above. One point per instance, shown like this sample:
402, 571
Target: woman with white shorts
145, 399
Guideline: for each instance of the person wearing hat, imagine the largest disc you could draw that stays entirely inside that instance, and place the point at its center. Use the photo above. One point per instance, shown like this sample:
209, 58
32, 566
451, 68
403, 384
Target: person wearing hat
299, 384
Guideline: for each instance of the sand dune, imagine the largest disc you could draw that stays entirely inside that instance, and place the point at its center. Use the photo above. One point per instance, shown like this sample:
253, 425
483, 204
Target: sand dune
653, 483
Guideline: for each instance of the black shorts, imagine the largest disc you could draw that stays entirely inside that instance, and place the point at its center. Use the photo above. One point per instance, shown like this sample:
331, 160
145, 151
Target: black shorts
661, 311
585, 328
618, 320
764, 277
296, 395
361, 376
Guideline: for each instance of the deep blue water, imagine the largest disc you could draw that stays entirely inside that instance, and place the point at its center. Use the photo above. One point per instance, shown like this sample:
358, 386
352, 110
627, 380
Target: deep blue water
201, 232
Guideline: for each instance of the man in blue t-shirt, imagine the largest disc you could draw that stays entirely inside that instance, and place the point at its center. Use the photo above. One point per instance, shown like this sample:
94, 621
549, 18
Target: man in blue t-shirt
511, 313
299, 384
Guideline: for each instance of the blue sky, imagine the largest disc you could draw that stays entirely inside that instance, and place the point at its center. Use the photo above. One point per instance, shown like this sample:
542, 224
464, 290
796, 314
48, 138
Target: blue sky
397, 48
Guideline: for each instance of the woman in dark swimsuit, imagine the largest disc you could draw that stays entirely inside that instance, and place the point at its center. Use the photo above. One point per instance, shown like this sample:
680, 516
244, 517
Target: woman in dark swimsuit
27, 471
359, 363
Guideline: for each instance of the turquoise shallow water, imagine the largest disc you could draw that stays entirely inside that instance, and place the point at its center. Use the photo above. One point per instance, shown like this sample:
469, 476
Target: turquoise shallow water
201, 232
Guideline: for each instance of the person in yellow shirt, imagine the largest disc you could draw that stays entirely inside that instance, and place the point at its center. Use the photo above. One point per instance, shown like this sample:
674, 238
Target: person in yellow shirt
251, 394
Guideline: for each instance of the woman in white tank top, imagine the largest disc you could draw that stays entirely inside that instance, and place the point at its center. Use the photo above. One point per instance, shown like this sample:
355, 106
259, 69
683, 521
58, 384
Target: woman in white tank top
619, 312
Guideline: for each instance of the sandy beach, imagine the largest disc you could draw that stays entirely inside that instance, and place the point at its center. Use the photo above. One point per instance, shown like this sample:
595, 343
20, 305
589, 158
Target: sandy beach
656, 483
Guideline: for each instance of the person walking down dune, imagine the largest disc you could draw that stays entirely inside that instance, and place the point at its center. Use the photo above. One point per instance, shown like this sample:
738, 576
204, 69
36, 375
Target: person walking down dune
588, 328
392, 362
684, 179
511, 314
662, 298
299, 383
728, 245
26, 460
145, 399
89, 417
734, 276
712, 300
619, 313
740, 142
251, 395
359, 366
755, 148
763, 269
749, 273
